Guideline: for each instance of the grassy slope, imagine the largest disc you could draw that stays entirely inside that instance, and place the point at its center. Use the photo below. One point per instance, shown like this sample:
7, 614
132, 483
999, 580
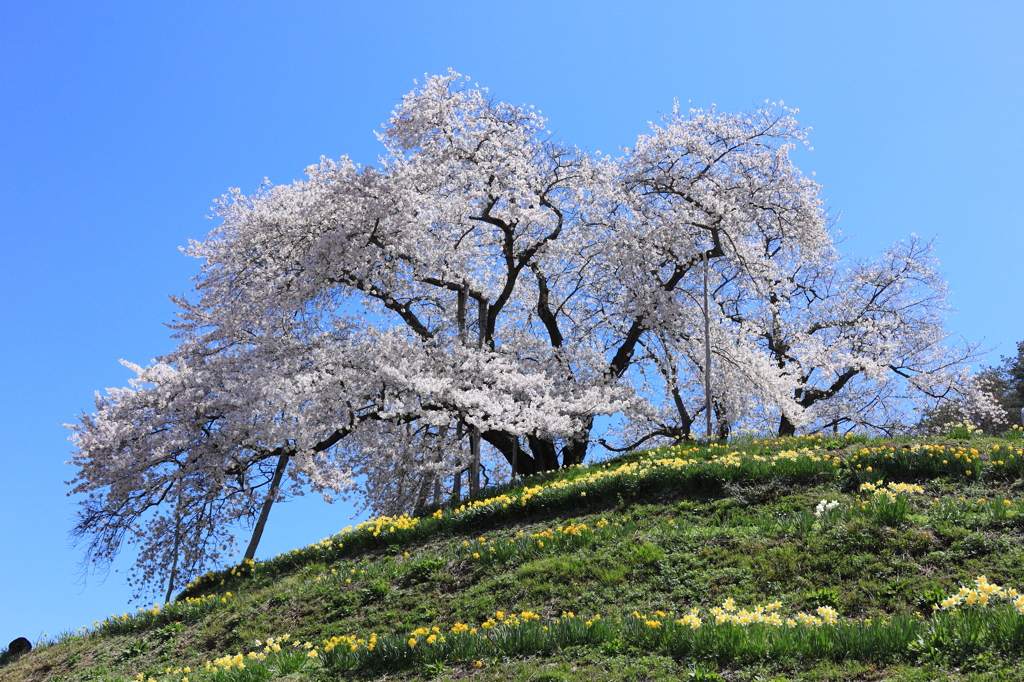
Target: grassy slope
691, 537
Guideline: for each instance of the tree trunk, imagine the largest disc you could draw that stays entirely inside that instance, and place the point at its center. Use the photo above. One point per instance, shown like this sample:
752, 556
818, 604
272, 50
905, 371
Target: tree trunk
722, 426
508, 445
460, 314
707, 350
275, 485
685, 420
457, 487
544, 453
786, 427
474, 462
174, 569
574, 452
474, 432
424, 493
442, 433
174, 552
457, 477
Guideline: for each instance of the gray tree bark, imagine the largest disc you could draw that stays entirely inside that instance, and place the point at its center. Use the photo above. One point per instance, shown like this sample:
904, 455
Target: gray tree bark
275, 485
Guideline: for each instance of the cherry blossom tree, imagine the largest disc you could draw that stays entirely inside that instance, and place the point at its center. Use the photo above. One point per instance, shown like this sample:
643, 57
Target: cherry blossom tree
570, 262
863, 342
468, 308
172, 462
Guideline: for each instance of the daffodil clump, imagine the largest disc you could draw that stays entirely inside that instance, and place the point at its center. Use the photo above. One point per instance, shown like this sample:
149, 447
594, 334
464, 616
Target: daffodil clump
983, 618
961, 430
728, 613
933, 460
524, 546
1006, 461
983, 594
245, 569
275, 658
381, 530
684, 472
825, 507
189, 609
983, 612
889, 504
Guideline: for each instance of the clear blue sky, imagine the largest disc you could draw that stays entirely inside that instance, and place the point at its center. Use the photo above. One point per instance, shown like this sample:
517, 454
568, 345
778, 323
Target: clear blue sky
120, 122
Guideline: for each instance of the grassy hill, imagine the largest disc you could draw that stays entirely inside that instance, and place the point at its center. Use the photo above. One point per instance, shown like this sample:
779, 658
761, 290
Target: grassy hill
721, 562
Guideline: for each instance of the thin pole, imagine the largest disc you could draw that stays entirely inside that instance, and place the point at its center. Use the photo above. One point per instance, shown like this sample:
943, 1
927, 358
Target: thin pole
460, 317
442, 434
474, 434
707, 348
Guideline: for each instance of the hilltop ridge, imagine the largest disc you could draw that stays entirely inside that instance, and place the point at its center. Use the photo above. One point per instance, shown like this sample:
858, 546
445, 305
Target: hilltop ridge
803, 558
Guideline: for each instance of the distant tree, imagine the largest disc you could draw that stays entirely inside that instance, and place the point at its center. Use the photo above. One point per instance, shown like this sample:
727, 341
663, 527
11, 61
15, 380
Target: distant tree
992, 406
1006, 384
1013, 369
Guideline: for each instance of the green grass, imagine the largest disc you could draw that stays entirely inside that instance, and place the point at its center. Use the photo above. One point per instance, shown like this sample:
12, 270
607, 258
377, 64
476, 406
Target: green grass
640, 541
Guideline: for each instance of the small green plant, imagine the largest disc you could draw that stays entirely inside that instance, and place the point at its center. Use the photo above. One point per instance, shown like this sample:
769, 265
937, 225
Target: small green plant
613, 575
423, 571
949, 510
133, 650
699, 674
377, 589
961, 431
889, 505
1016, 432
826, 596
997, 510
435, 669
170, 631
647, 553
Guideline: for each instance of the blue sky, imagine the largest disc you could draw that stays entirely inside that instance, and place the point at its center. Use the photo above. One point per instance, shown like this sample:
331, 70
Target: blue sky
121, 122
